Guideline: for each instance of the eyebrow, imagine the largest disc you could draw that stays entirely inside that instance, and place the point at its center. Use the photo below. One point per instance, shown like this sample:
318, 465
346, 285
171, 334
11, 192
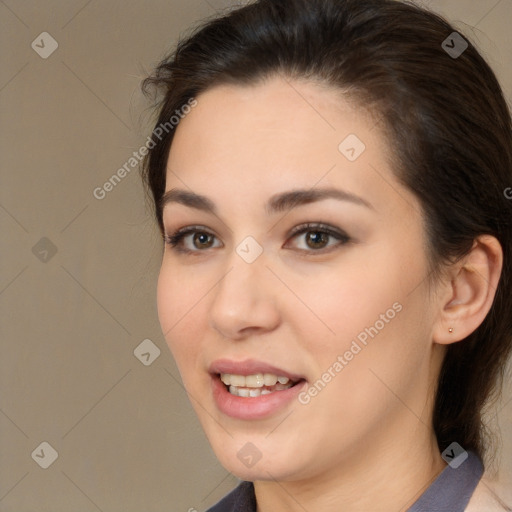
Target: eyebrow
276, 204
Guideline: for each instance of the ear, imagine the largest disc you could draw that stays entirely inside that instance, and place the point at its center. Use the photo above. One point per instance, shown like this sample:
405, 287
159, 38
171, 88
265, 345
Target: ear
467, 295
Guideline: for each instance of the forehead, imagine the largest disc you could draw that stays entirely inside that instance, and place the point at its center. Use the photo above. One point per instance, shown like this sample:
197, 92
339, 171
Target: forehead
273, 112
277, 135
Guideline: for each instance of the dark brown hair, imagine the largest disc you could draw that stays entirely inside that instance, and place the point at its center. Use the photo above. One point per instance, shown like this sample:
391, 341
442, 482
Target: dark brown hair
444, 114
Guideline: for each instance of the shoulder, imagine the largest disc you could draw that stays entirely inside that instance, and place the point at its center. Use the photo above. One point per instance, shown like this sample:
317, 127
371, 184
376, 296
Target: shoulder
485, 499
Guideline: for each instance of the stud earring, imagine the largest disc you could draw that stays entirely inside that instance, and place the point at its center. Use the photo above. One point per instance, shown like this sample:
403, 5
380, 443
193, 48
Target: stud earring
450, 329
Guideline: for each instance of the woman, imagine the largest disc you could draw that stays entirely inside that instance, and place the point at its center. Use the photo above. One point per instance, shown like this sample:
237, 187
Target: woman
336, 281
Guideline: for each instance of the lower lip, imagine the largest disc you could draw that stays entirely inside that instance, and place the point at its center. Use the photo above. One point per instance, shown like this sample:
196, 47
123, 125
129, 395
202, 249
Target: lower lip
252, 408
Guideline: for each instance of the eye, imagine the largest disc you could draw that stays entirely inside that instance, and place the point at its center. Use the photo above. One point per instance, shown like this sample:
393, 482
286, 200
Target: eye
318, 235
202, 239
196, 239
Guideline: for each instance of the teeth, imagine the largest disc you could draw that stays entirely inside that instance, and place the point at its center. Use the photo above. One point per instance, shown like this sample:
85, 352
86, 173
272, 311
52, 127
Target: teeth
254, 381
255, 385
237, 380
270, 379
257, 380
246, 392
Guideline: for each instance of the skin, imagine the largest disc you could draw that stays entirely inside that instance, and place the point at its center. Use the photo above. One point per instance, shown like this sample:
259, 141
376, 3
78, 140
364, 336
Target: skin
365, 442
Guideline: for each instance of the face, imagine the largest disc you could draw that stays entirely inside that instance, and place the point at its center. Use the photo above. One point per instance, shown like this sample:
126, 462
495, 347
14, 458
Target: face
328, 291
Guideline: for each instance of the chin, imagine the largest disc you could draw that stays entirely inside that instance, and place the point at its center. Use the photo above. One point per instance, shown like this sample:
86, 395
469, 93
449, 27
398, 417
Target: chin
246, 461
260, 471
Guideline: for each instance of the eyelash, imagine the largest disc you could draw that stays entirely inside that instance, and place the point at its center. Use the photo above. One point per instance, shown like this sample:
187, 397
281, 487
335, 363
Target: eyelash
175, 240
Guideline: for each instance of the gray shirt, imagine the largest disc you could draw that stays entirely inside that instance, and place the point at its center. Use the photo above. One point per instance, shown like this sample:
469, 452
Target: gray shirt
449, 492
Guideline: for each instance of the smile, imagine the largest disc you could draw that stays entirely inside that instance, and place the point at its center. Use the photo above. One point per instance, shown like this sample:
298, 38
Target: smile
253, 390
252, 386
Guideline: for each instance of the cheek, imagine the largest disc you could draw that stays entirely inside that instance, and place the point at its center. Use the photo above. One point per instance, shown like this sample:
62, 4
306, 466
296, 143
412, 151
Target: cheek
364, 311
178, 304
167, 301
381, 324
344, 301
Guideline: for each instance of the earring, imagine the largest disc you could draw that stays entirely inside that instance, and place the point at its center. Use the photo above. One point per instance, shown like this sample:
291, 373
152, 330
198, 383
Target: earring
450, 329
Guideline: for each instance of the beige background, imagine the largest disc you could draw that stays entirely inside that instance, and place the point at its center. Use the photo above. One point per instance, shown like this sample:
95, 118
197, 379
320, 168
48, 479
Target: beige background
126, 437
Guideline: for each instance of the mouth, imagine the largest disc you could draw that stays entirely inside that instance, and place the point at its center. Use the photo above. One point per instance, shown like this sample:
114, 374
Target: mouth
257, 384
251, 389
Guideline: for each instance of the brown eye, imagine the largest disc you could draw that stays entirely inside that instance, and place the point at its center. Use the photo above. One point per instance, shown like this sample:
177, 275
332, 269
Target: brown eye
193, 239
317, 239
204, 240
196, 240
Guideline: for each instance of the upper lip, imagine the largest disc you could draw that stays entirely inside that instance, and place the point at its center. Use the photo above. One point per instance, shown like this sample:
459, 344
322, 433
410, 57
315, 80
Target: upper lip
250, 367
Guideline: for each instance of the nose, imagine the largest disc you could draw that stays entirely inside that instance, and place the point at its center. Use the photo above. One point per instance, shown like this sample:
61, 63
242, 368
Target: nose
245, 300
